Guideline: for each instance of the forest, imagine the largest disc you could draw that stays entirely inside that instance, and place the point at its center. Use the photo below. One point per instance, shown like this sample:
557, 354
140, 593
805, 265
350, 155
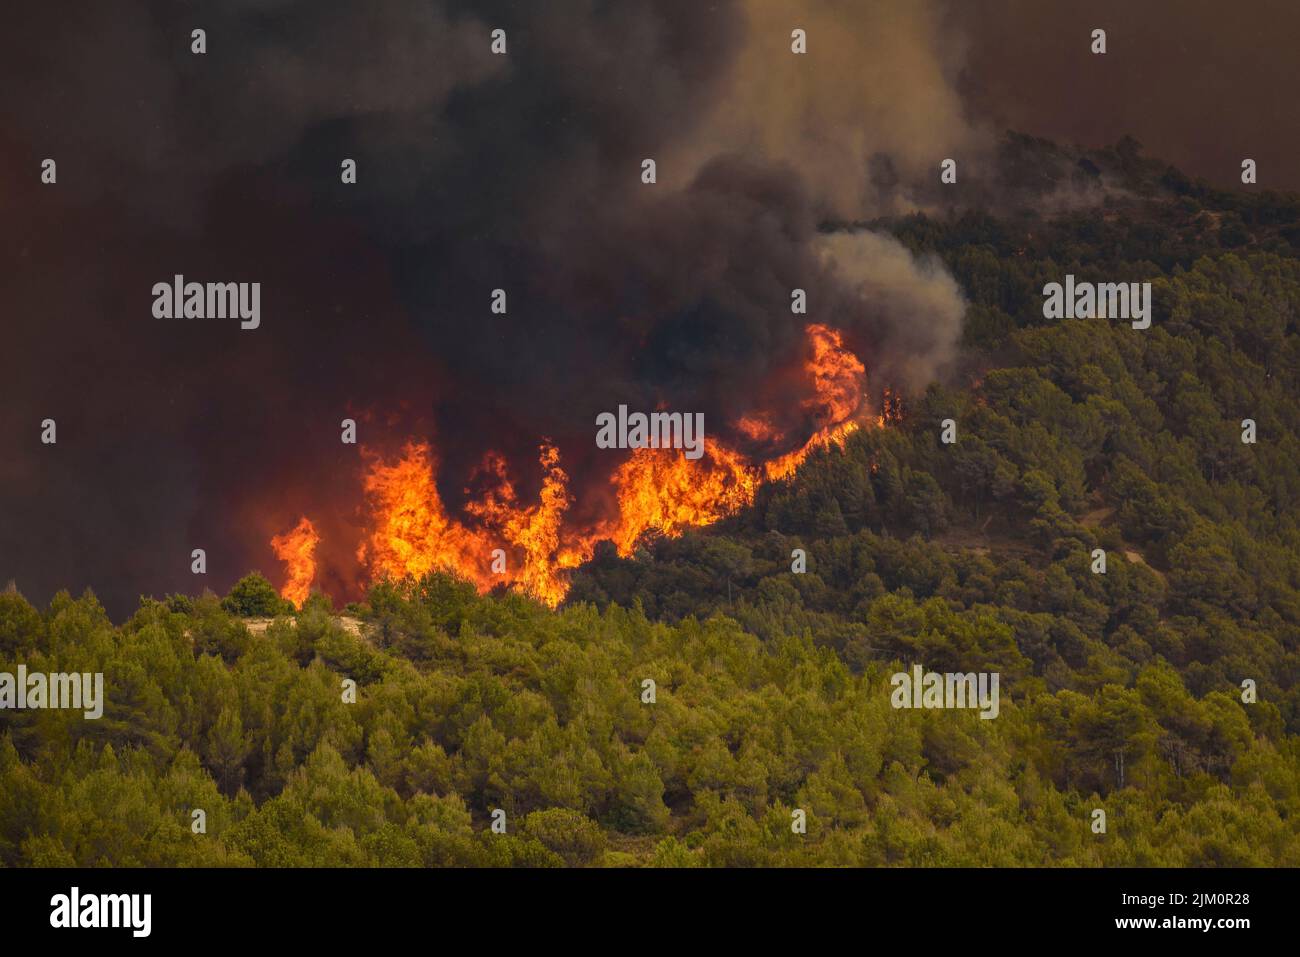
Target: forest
1121, 691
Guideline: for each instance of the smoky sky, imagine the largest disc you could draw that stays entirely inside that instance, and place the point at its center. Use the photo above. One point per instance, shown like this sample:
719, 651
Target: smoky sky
1202, 84
475, 172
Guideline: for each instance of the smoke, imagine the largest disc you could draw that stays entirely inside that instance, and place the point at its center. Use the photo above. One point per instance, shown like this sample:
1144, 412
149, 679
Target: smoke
115, 92
910, 310
864, 117
1200, 85
475, 173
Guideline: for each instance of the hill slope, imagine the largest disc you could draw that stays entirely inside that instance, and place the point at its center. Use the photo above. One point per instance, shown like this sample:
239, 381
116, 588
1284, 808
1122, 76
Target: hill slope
1120, 691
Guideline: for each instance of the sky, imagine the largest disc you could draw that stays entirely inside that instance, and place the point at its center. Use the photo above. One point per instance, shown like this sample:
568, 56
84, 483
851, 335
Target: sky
1200, 83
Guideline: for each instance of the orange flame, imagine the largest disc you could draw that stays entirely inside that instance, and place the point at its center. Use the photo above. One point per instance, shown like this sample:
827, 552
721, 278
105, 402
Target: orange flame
297, 549
839, 378
891, 408
839, 385
533, 530
661, 490
532, 546
786, 465
412, 534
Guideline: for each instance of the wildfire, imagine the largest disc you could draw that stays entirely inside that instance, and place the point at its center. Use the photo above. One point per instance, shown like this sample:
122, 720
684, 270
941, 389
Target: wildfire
499, 539
786, 465
891, 407
839, 385
534, 531
839, 379
297, 549
660, 490
412, 533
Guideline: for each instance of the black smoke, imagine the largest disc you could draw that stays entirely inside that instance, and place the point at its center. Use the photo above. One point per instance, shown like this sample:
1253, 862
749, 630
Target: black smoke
475, 172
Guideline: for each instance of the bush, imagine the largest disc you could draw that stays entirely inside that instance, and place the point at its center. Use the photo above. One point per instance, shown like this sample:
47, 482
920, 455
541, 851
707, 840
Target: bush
572, 835
255, 597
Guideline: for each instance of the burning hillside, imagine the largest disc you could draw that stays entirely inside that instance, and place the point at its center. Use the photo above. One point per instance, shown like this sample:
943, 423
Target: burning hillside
497, 538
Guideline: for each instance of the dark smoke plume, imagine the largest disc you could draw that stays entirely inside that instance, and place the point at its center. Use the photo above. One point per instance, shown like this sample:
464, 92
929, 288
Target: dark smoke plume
475, 172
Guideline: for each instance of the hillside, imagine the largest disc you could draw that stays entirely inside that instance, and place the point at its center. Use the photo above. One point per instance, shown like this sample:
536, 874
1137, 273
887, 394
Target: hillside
1120, 691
